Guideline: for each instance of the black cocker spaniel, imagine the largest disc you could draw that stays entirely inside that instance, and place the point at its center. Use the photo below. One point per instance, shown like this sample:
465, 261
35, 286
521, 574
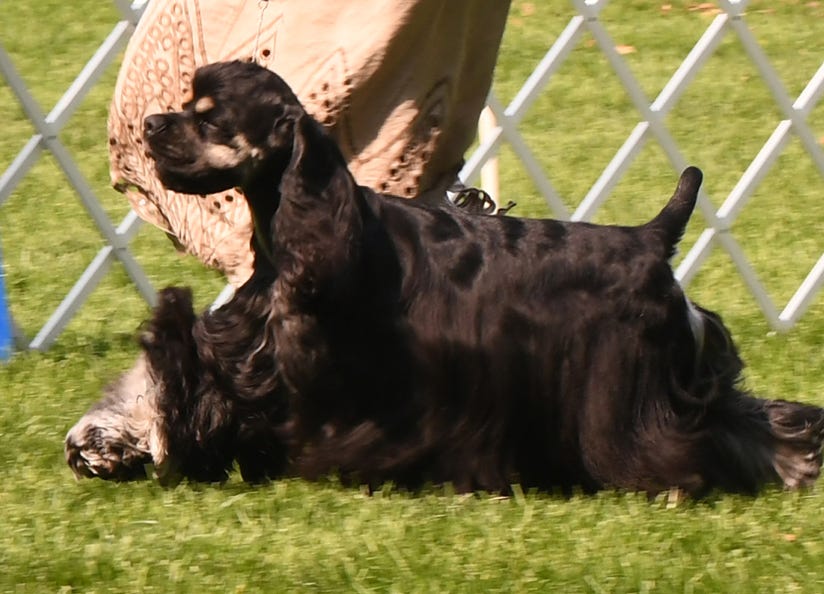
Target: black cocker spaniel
382, 339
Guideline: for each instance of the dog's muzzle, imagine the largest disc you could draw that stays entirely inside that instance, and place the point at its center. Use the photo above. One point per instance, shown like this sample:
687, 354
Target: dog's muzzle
154, 124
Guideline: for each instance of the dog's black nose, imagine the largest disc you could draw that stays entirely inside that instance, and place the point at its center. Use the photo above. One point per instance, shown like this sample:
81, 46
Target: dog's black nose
153, 124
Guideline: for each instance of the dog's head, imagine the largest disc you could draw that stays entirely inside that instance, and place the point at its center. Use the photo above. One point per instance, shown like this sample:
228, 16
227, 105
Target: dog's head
239, 122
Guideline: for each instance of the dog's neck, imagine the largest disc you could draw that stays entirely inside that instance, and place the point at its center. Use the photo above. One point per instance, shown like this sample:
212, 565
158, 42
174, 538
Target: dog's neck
262, 243
263, 197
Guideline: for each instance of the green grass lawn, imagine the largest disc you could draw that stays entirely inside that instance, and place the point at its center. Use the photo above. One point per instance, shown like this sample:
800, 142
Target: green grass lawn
59, 535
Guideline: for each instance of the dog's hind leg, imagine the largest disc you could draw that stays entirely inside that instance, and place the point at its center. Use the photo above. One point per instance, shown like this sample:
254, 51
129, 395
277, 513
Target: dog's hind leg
746, 442
738, 444
754, 442
797, 432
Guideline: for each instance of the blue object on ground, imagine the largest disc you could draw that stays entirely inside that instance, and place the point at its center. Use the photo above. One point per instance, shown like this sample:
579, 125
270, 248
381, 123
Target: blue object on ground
6, 334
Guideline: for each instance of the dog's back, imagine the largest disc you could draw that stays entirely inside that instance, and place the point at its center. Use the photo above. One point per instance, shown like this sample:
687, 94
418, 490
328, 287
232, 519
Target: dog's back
457, 266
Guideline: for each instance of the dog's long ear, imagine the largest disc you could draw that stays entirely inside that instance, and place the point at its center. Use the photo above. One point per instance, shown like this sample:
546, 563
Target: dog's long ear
282, 115
317, 180
320, 210
317, 166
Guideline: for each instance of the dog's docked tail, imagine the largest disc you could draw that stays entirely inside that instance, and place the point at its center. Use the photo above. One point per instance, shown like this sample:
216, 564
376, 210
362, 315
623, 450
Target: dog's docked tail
669, 225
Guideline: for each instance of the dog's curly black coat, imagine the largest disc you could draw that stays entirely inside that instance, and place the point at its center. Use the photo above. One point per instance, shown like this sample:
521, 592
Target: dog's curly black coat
387, 340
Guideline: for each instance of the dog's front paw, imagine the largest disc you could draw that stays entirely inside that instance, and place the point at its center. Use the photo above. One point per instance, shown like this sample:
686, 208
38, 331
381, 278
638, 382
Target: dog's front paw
93, 451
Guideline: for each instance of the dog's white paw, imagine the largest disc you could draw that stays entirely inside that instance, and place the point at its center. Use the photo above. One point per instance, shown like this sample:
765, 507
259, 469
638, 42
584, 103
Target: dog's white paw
95, 451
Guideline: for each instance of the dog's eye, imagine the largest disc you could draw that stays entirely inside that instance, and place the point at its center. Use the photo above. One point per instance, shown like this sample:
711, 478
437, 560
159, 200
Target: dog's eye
205, 124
